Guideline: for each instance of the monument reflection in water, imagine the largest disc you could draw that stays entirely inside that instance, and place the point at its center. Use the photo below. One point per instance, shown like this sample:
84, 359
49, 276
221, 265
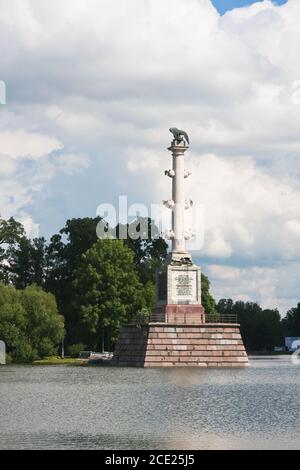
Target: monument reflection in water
178, 333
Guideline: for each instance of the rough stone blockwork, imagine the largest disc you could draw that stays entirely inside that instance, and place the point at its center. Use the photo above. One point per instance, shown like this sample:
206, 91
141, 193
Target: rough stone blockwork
167, 345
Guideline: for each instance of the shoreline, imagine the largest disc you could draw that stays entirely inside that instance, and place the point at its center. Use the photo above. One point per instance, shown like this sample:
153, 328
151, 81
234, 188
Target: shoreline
57, 361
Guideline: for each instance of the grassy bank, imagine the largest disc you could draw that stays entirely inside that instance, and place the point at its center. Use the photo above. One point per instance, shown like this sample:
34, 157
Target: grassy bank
58, 361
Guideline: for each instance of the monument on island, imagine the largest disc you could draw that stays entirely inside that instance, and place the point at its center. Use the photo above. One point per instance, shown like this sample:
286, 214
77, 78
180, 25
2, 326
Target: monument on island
178, 334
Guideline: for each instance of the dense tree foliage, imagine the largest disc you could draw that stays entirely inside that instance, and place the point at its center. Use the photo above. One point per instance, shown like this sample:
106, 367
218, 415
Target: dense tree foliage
150, 250
107, 292
27, 262
260, 329
291, 322
100, 283
29, 322
207, 299
11, 232
64, 255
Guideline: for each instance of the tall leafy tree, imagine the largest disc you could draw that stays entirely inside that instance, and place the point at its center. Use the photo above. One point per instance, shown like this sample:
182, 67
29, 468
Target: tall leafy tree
29, 322
64, 255
260, 329
270, 330
27, 262
207, 299
39, 261
107, 291
13, 324
291, 322
150, 249
20, 263
44, 325
11, 232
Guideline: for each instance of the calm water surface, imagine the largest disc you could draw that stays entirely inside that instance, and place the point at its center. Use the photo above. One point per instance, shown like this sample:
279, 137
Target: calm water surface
65, 407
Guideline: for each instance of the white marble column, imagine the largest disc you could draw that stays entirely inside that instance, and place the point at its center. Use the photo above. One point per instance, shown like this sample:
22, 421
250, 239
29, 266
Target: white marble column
178, 229
178, 242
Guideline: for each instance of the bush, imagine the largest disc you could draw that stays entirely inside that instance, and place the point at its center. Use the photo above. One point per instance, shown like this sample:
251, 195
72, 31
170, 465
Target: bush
74, 349
24, 352
29, 323
142, 317
47, 348
8, 358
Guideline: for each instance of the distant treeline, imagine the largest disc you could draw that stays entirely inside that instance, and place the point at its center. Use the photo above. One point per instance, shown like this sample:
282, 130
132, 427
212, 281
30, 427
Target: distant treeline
96, 285
262, 329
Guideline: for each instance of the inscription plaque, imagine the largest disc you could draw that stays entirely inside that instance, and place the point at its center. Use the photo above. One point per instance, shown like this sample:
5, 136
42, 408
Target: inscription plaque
184, 286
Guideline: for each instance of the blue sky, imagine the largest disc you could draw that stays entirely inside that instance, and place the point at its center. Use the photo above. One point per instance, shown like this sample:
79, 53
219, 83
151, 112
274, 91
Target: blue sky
90, 99
226, 5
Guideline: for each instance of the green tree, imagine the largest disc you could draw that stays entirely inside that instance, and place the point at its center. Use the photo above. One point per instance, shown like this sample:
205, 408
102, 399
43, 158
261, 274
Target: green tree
207, 299
107, 292
74, 349
45, 327
225, 306
39, 261
27, 262
20, 266
291, 322
63, 257
13, 324
260, 329
11, 232
29, 323
150, 249
270, 330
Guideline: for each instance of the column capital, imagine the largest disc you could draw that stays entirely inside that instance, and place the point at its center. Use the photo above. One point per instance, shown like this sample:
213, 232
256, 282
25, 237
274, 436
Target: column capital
177, 149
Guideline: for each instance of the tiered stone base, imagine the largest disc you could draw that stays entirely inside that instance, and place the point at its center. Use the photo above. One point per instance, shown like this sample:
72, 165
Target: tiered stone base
179, 314
167, 345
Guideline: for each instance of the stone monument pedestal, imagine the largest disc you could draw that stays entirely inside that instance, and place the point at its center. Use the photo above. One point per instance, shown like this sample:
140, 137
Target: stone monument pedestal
179, 293
180, 345
177, 334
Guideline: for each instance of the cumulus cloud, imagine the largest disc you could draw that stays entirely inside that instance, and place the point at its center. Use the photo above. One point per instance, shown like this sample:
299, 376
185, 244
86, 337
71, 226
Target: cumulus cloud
250, 215
71, 163
31, 228
22, 144
275, 287
93, 87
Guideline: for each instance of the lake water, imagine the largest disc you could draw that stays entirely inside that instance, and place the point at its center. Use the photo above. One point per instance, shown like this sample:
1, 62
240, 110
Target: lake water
65, 407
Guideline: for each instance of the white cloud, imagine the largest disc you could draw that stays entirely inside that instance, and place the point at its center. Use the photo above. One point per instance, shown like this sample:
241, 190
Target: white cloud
248, 213
271, 287
31, 228
224, 272
143, 159
94, 86
7, 167
20, 143
71, 163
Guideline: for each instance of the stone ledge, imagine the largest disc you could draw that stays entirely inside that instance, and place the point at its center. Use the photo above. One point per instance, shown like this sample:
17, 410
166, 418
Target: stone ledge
166, 345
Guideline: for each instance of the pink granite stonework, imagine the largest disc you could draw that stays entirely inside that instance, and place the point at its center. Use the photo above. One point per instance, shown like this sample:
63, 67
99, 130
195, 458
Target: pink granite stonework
190, 345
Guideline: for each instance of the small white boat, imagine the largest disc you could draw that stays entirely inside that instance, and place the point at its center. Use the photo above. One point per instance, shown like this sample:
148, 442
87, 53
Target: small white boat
100, 358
